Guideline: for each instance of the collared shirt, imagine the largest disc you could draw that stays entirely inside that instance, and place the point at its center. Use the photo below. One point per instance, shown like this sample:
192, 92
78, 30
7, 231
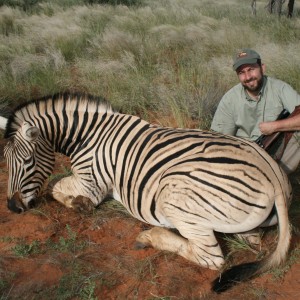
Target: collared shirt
239, 115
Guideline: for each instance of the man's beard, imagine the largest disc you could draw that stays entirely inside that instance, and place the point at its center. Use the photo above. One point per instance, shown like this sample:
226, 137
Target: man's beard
256, 88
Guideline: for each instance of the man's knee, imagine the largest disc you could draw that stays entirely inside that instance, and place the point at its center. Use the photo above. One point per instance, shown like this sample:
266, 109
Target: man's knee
291, 156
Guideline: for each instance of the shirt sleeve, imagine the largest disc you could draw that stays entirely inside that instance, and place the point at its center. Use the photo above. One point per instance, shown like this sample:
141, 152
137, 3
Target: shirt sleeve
290, 98
223, 120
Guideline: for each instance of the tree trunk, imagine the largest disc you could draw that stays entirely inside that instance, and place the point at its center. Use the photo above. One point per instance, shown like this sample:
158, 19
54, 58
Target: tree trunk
290, 8
278, 6
253, 7
275, 6
270, 6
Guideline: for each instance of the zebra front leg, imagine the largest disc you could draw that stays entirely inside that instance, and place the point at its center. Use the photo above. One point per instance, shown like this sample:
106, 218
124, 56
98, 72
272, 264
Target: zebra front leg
68, 192
205, 251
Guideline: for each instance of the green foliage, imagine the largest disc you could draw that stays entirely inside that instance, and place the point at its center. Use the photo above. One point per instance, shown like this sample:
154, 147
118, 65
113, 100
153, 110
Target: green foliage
3, 284
6, 279
26, 5
64, 173
87, 292
236, 244
24, 250
76, 283
7, 239
258, 292
294, 257
114, 2
77, 280
33, 5
9, 26
67, 244
163, 298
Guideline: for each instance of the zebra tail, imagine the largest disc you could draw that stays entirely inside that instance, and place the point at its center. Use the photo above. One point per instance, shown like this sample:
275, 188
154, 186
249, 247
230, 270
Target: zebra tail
247, 271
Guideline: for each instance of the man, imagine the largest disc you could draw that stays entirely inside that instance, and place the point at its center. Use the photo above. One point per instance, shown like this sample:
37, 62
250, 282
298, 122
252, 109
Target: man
251, 107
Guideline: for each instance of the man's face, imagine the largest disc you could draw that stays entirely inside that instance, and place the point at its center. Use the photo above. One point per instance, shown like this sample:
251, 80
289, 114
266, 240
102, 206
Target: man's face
251, 76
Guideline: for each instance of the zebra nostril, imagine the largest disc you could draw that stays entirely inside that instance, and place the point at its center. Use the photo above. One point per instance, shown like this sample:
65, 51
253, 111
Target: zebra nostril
15, 203
12, 205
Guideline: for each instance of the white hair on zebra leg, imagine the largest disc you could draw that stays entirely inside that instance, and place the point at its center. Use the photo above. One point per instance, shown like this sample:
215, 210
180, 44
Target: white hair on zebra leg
3, 122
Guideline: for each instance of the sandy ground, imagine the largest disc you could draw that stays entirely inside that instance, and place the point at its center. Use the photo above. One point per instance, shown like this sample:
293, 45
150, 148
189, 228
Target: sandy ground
51, 252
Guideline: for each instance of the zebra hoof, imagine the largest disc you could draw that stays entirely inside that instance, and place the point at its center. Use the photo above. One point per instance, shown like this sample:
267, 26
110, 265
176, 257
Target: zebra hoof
143, 240
139, 246
82, 204
252, 238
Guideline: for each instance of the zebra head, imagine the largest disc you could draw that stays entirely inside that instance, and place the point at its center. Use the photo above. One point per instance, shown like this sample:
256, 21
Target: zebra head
30, 160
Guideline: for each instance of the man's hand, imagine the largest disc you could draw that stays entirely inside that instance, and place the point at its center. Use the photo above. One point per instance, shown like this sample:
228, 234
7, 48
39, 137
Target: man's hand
267, 128
291, 123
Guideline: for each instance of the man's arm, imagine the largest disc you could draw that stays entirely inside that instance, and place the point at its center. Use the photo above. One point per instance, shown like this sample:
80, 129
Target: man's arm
223, 120
291, 101
290, 124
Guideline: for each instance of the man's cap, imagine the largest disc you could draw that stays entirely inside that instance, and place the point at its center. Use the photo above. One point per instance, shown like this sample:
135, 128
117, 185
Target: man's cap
245, 56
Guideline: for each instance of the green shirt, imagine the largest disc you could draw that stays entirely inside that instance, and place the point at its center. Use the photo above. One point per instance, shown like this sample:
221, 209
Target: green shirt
239, 115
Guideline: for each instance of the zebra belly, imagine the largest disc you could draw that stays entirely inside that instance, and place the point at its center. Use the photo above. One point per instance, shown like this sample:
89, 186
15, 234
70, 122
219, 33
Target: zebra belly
184, 202
253, 221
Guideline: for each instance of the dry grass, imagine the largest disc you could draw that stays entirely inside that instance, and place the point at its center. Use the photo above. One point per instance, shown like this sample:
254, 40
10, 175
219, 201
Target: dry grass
172, 56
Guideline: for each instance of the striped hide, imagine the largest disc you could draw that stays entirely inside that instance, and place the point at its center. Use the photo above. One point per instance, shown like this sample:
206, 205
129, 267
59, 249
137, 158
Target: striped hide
198, 182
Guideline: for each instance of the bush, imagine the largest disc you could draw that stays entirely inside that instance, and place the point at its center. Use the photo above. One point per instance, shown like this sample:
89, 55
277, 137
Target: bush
114, 2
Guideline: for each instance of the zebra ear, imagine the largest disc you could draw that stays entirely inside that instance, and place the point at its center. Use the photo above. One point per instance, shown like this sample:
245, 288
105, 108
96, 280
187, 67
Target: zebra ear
30, 133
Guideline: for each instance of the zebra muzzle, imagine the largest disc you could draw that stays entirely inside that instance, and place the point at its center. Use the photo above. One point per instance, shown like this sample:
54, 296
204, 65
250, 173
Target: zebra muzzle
15, 204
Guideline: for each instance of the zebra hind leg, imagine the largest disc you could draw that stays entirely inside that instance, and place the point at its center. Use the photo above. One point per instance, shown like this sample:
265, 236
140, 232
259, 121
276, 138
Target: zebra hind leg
205, 251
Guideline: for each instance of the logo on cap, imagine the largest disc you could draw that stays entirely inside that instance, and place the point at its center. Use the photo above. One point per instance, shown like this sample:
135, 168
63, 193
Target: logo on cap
242, 54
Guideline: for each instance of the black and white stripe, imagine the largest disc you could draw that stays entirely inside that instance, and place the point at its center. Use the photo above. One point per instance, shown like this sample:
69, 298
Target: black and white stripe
196, 181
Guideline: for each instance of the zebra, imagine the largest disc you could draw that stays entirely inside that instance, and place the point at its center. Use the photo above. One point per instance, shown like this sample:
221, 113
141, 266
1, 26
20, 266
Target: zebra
187, 183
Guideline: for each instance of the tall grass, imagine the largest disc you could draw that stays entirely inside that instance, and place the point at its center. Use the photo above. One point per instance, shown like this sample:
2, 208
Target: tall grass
170, 59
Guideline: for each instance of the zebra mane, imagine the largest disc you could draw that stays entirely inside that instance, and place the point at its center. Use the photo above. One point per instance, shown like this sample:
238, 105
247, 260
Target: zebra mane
72, 102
